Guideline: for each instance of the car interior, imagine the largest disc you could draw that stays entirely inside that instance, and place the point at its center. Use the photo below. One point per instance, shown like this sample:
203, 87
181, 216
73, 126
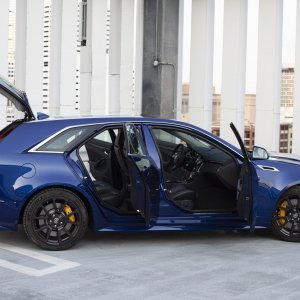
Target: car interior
198, 175
104, 157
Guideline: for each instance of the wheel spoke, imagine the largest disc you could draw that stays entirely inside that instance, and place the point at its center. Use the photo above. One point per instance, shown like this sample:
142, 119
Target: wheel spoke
48, 233
54, 204
41, 228
292, 229
41, 217
45, 210
59, 236
66, 231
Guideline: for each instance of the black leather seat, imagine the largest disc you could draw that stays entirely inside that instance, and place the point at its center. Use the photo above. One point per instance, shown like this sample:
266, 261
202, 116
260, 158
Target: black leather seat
107, 193
182, 196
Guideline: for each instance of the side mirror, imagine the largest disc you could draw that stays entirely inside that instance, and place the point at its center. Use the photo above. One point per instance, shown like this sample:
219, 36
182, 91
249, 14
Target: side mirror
259, 153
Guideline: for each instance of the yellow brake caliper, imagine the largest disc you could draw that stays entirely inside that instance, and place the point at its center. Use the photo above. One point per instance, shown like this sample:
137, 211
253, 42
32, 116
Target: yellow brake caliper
68, 210
282, 212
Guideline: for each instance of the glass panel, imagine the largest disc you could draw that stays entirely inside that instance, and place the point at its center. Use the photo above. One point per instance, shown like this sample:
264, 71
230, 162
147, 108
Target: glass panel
62, 141
134, 143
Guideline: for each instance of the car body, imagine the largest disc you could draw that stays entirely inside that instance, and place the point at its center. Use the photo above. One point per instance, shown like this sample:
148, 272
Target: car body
61, 175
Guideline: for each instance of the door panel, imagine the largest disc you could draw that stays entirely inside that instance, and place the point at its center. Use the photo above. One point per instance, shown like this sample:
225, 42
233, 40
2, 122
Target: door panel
244, 188
145, 179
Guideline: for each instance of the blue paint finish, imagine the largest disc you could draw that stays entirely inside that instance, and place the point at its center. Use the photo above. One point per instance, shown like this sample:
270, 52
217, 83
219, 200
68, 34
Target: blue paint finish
23, 174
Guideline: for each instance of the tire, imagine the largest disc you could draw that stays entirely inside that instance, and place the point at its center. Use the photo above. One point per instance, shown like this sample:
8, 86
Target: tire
55, 219
286, 216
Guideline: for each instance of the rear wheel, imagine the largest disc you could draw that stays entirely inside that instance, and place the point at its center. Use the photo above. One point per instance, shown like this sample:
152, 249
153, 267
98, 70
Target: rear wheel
286, 216
55, 219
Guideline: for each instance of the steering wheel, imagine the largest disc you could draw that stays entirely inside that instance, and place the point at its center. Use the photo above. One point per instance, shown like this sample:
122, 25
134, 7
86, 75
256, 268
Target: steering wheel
176, 157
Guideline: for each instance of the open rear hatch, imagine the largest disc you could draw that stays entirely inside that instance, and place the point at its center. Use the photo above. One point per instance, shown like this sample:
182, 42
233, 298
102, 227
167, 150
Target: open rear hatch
17, 97
19, 101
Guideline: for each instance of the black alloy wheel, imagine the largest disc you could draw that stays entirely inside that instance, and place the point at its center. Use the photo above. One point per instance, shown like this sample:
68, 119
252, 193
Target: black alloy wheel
286, 216
55, 219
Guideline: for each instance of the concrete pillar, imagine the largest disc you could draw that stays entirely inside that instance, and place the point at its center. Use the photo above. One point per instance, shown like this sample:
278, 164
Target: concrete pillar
86, 62
233, 68
68, 57
99, 58
201, 63
21, 33
127, 57
55, 57
114, 56
4, 6
296, 119
268, 74
34, 54
160, 57
138, 55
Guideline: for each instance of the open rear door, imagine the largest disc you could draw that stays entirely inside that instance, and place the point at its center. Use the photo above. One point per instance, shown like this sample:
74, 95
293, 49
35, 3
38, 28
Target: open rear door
144, 175
244, 188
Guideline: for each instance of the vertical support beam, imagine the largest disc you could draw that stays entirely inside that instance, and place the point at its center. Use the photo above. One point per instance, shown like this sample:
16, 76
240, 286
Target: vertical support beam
68, 57
34, 54
160, 57
114, 56
269, 74
296, 119
127, 57
138, 54
4, 8
21, 32
99, 57
178, 105
201, 63
86, 61
233, 68
55, 57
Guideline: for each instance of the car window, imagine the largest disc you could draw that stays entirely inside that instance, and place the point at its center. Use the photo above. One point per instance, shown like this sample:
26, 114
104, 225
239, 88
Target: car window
175, 136
135, 145
104, 136
65, 139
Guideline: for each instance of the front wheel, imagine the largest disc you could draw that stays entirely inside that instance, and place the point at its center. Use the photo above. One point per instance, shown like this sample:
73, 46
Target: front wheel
286, 216
55, 219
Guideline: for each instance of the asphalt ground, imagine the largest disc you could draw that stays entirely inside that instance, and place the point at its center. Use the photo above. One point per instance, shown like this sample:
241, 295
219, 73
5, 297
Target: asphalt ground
152, 265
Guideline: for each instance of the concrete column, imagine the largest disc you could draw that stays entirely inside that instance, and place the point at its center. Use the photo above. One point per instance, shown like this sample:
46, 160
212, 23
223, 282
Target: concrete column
296, 119
138, 55
4, 6
68, 57
86, 63
201, 63
127, 58
55, 57
34, 54
268, 74
99, 57
233, 68
160, 57
114, 56
21, 32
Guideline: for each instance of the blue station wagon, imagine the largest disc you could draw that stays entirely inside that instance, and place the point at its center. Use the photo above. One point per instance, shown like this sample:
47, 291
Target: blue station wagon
60, 176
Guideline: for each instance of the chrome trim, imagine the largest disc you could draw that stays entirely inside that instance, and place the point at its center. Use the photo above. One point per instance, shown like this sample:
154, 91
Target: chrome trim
268, 168
152, 122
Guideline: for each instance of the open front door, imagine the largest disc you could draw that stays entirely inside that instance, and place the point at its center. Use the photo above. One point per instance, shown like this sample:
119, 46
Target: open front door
144, 175
244, 187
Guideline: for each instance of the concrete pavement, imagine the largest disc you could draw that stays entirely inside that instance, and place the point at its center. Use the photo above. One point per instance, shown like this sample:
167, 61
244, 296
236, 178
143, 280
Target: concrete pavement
158, 265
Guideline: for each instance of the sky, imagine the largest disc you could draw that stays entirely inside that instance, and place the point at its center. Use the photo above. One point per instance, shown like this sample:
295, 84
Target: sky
288, 40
